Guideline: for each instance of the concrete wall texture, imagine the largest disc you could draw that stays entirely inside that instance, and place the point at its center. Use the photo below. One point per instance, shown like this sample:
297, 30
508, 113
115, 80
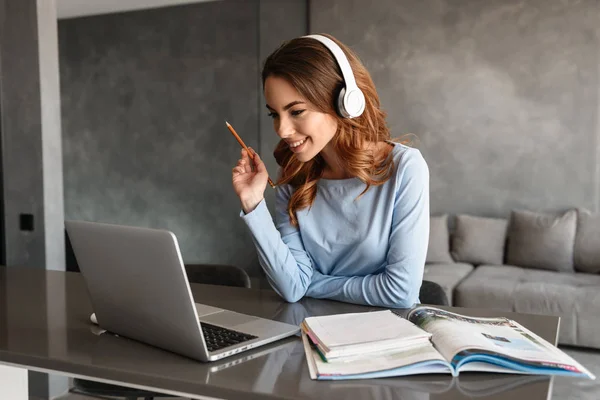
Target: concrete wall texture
502, 95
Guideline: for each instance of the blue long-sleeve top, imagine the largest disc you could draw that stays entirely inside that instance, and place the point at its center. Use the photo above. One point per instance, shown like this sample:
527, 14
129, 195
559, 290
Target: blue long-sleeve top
367, 251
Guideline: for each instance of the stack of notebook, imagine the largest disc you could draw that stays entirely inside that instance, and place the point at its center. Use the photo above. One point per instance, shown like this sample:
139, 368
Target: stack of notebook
341, 344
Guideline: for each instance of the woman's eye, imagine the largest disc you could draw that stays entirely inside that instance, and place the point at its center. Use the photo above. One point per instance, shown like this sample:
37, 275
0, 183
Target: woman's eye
272, 115
295, 113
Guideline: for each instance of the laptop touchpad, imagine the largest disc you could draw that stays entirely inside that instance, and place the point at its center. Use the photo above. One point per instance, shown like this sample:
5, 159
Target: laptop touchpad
228, 319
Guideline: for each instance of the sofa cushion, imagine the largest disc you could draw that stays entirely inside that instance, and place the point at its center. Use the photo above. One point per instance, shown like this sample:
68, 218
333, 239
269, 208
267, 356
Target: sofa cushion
438, 250
478, 240
573, 297
447, 276
539, 240
586, 254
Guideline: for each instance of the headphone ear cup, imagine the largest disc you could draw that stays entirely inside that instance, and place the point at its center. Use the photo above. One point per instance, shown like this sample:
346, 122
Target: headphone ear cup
339, 104
354, 102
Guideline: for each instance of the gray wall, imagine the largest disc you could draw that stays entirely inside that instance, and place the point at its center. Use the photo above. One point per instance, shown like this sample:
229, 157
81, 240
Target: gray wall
503, 95
145, 96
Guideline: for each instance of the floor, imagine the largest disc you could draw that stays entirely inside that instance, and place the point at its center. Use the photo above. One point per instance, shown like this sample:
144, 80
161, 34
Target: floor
564, 388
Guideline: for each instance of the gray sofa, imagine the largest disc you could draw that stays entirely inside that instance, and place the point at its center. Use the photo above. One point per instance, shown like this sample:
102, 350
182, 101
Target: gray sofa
530, 262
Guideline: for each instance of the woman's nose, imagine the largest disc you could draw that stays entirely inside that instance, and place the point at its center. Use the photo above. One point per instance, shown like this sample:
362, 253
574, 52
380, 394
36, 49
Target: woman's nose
285, 128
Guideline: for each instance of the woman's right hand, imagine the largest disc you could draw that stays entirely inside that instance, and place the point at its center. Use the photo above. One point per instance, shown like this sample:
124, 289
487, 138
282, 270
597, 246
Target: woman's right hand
250, 183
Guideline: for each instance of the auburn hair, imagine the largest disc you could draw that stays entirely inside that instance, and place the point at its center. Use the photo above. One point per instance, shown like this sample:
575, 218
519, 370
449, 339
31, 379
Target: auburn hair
313, 71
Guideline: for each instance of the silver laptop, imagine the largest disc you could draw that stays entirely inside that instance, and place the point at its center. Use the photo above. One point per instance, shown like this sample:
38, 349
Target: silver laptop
139, 289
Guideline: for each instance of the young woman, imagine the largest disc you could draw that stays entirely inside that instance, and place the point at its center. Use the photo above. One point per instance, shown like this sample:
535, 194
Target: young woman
352, 207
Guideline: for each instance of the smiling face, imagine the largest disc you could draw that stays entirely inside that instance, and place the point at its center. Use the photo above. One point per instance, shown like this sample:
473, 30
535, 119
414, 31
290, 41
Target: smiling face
306, 130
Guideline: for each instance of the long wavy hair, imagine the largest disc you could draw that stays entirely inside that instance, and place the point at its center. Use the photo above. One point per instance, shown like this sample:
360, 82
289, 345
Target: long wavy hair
313, 71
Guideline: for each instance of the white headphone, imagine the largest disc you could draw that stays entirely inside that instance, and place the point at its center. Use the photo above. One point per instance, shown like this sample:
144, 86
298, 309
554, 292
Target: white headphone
351, 100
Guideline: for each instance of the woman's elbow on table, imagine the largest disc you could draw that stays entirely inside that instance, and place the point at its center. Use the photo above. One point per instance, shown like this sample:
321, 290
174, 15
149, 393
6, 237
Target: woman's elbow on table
294, 295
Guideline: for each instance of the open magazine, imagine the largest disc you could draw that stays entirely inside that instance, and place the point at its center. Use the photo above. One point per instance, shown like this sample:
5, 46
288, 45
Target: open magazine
458, 344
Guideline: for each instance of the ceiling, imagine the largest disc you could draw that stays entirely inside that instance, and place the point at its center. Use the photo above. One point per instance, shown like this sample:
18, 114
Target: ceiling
80, 8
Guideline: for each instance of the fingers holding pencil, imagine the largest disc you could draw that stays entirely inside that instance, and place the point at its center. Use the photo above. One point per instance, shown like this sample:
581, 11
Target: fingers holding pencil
259, 164
251, 162
249, 178
260, 167
245, 161
251, 153
249, 174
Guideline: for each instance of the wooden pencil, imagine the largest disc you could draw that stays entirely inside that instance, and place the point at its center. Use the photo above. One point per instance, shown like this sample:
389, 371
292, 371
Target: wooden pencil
241, 142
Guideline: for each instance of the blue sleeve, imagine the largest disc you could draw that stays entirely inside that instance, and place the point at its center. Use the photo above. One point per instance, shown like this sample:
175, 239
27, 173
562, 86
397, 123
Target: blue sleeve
398, 285
280, 249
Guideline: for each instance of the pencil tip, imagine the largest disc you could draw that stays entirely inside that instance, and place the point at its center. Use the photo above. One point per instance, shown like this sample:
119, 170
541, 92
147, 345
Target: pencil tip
227, 123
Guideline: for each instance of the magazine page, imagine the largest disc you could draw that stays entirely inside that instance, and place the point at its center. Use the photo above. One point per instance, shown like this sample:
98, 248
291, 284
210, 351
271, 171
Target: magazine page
453, 333
461, 339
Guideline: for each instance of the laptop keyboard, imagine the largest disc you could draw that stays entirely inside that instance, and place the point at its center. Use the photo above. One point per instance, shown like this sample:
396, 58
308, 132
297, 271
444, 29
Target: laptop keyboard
217, 338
